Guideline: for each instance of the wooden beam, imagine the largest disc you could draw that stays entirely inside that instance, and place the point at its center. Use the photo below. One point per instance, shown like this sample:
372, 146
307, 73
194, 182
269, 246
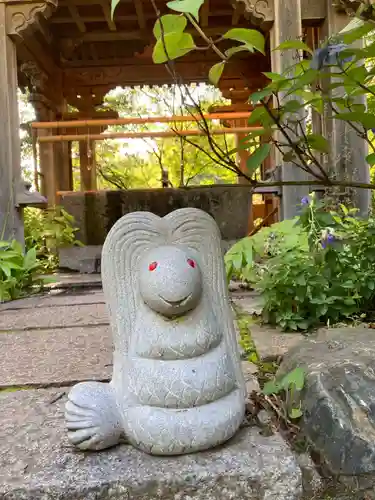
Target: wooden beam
93, 53
107, 15
76, 17
205, 12
56, 19
103, 36
140, 14
236, 14
141, 135
140, 121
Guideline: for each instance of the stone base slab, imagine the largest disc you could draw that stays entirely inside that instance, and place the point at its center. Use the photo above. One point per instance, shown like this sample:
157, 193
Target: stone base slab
37, 463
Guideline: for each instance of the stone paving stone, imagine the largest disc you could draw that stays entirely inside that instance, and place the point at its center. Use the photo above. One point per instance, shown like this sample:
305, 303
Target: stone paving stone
272, 343
67, 280
37, 463
56, 356
248, 302
54, 317
54, 299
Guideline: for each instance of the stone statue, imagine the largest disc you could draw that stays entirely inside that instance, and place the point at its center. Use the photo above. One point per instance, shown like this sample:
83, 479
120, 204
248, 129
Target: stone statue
177, 385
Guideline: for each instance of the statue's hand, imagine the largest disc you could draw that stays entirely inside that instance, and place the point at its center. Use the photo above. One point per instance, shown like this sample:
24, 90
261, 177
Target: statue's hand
92, 416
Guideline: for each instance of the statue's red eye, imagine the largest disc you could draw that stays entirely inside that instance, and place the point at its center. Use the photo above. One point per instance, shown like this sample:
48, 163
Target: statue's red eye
152, 266
191, 262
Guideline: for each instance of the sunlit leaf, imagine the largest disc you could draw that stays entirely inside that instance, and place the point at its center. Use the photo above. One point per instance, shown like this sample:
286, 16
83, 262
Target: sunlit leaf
371, 159
114, 4
294, 44
187, 7
172, 46
30, 259
253, 39
215, 72
168, 24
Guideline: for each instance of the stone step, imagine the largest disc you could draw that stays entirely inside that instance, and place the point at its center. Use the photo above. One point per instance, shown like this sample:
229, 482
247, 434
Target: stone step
54, 317
59, 356
37, 463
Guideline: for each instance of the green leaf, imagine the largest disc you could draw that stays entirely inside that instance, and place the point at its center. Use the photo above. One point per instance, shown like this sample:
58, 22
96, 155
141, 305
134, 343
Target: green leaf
355, 32
253, 39
365, 119
371, 159
176, 45
30, 259
233, 50
295, 379
271, 387
168, 24
215, 72
256, 115
114, 4
273, 76
187, 7
257, 158
260, 95
318, 142
295, 413
292, 106
294, 44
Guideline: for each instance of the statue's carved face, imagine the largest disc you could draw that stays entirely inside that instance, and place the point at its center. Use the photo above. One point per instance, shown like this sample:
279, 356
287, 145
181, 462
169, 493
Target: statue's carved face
170, 280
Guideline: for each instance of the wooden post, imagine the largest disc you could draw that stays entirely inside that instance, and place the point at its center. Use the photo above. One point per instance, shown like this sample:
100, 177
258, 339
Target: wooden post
287, 26
347, 161
87, 165
11, 225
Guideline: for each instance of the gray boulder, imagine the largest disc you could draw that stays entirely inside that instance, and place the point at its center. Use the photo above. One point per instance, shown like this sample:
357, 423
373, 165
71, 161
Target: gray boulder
339, 397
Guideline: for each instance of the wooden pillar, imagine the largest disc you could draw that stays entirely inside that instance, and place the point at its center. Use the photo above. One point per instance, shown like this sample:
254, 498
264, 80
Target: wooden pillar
87, 165
347, 161
55, 163
11, 225
287, 26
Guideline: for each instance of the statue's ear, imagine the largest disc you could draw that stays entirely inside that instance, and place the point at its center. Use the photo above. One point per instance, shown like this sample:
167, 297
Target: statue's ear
196, 229
126, 242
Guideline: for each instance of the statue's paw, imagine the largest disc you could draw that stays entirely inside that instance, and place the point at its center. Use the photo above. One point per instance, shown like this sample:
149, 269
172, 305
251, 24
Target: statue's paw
92, 416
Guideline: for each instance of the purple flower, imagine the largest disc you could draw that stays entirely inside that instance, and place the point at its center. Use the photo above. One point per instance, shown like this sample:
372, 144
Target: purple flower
328, 240
328, 56
305, 200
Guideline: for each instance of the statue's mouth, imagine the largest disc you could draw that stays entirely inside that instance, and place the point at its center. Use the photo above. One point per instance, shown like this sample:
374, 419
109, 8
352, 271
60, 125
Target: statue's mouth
176, 303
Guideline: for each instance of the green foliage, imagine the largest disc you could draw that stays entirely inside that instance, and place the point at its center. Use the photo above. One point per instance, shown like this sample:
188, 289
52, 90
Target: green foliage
46, 231
322, 272
19, 271
332, 80
182, 162
289, 385
282, 237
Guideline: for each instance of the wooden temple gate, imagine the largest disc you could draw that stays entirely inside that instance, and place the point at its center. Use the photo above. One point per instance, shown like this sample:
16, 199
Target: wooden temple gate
71, 53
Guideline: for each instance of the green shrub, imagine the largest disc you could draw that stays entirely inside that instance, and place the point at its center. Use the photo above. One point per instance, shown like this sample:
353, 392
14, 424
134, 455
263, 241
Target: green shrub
20, 272
47, 231
323, 271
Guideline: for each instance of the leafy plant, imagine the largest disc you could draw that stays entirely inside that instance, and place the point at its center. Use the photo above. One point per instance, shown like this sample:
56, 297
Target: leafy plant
20, 272
330, 81
47, 231
269, 241
289, 385
326, 278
